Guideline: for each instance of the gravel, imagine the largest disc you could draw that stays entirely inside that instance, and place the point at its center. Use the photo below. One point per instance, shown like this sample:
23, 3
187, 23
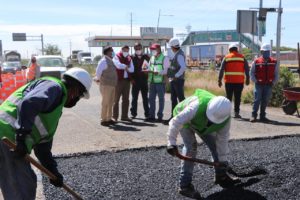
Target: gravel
150, 173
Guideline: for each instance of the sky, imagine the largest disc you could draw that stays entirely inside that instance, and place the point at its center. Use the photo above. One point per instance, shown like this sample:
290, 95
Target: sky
68, 23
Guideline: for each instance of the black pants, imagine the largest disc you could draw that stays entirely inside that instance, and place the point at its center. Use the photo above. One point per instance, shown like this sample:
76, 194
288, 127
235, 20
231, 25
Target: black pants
177, 92
136, 88
236, 90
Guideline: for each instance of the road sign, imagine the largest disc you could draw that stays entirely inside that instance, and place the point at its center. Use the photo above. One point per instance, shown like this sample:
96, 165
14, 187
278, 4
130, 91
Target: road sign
246, 21
19, 36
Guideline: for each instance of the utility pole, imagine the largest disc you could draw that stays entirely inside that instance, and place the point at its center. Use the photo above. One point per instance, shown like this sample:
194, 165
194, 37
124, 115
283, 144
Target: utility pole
70, 48
42, 40
89, 46
131, 30
278, 34
157, 24
260, 22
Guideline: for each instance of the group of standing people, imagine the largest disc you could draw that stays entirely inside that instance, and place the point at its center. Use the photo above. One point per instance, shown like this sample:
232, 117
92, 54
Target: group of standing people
148, 75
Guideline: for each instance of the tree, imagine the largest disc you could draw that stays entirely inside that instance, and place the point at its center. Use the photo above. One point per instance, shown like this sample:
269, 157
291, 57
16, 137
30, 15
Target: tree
52, 49
247, 53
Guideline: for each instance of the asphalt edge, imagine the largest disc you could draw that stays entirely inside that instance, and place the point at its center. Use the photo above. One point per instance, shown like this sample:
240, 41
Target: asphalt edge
104, 152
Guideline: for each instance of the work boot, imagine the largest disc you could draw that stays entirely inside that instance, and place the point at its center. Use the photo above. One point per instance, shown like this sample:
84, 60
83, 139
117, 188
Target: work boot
105, 123
225, 180
237, 115
264, 119
189, 191
127, 119
252, 119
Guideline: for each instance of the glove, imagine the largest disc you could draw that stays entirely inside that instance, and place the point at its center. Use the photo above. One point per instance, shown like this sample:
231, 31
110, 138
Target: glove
59, 181
21, 149
172, 150
247, 81
220, 83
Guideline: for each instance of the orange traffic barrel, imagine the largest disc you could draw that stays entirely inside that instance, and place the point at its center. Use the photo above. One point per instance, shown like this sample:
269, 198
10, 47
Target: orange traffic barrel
19, 79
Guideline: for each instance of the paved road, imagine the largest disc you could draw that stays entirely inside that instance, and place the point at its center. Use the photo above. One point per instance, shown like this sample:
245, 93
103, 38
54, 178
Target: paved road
79, 129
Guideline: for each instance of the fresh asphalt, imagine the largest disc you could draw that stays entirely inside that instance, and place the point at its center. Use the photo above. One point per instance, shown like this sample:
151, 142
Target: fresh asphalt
79, 131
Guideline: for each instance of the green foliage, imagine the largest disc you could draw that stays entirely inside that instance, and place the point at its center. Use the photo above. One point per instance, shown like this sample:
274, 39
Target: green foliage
52, 49
247, 53
286, 80
283, 48
97, 58
248, 97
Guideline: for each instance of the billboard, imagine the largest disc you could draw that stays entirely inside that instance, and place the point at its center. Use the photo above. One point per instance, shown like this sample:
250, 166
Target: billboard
153, 31
246, 21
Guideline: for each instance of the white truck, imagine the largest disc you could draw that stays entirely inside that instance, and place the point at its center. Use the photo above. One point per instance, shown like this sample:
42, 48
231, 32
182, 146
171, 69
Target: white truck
84, 57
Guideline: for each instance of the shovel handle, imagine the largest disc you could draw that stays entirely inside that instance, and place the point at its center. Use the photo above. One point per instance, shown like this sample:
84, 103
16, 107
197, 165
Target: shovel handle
201, 161
42, 168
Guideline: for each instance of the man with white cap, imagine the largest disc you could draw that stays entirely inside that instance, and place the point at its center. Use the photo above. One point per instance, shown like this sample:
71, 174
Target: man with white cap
176, 73
235, 67
208, 116
29, 118
264, 73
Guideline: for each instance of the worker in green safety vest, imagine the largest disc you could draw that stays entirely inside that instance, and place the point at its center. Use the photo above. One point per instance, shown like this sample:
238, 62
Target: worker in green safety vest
208, 116
159, 65
29, 118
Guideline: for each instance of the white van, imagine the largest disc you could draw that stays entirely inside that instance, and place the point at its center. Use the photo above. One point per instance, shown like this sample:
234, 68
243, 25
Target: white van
50, 65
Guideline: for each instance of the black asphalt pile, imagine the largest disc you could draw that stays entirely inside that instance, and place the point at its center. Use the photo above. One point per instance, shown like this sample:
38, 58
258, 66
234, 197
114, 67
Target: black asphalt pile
150, 173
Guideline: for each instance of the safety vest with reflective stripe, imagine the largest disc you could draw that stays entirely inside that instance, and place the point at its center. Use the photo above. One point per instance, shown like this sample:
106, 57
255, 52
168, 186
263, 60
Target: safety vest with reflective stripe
199, 122
234, 68
156, 64
45, 124
32, 72
265, 70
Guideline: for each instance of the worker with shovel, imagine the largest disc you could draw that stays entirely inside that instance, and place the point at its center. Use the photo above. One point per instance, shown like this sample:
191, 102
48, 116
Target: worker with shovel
29, 117
208, 116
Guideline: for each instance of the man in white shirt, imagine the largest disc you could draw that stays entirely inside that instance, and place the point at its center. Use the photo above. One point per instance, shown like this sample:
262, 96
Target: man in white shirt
124, 66
106, 75
208, 116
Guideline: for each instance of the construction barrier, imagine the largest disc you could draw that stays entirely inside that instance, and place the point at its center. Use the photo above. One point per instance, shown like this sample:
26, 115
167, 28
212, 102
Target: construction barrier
10, 83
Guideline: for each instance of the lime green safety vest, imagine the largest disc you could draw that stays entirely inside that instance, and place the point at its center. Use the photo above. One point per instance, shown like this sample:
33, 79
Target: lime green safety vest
45, 124
199, 122
156, 64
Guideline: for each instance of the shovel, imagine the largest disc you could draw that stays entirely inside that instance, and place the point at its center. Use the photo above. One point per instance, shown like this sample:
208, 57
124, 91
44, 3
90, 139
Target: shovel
253, 172
42, 168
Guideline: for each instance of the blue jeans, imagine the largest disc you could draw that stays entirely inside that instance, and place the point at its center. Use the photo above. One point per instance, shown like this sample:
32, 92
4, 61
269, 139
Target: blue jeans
156, 89
262, 95
217, 144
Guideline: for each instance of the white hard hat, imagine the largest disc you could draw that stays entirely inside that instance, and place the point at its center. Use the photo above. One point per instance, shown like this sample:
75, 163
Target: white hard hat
218, 109
83, 77
174, 42
265, 47
233, 46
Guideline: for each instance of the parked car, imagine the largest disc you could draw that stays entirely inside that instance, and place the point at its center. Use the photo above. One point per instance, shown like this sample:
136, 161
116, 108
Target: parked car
50, 65
11, 67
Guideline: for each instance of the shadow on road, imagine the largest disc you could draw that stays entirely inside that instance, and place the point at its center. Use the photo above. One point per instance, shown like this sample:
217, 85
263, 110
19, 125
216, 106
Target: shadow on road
135, 123
238, 192
118, 127
272, 122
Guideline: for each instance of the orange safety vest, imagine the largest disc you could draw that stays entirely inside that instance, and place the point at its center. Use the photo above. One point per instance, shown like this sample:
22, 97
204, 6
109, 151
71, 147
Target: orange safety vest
31, 72
265, 70
234, 68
